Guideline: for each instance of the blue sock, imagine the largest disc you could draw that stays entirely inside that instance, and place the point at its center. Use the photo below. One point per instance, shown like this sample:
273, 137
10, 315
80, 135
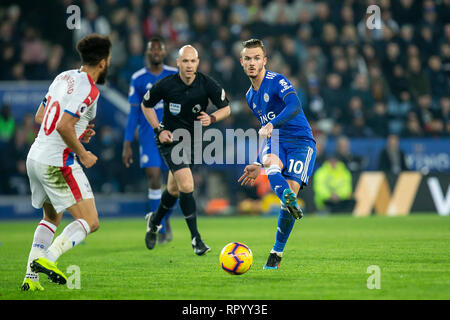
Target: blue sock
284, 228
277, 181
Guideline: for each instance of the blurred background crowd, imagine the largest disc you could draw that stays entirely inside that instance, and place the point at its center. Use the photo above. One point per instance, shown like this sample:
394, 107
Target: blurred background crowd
353, 81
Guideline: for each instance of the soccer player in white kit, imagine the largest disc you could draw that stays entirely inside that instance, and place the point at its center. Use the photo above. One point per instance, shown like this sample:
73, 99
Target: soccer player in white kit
57, 180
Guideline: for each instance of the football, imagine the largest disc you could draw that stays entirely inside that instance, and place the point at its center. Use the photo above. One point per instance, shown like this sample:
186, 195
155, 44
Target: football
236, 258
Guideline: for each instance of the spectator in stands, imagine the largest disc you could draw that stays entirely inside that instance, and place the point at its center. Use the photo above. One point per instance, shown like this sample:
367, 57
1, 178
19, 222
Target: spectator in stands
92, 22
340, 66
406, 36
445, 56
334, 96
427, 42
7, 124
413, 128
29, 127
392, 58
343, 153
315, 109
321, 18
290, 56
379, 120
397, 109
135, 60
444, 104
361, 89
321, 144
54, 62
33, 54
180, 24
17, 149
406, 11
418, 81
332, 184
379, 86
398, 83
392, 159
430, 118
438, 80
355, 119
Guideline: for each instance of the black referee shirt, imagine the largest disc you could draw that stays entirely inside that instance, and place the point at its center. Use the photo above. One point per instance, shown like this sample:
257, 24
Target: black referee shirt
183, 103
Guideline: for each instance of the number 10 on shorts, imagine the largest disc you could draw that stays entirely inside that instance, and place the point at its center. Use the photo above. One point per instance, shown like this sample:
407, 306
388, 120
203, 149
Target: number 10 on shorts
296, 166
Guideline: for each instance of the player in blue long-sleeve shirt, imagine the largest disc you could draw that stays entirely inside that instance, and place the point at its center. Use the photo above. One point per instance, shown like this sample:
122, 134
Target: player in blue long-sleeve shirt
289, 152
150, 159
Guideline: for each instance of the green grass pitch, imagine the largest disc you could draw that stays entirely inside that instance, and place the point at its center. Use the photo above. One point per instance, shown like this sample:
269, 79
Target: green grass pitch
325, 258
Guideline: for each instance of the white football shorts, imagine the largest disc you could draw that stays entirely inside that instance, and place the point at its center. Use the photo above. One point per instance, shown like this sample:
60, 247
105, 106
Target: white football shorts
61, 186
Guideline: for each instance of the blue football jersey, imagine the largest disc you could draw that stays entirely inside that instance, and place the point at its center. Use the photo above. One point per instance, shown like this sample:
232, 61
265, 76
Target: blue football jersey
141, 81
268, 102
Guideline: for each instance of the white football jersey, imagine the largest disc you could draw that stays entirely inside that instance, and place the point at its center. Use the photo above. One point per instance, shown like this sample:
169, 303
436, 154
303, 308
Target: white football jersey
75, 93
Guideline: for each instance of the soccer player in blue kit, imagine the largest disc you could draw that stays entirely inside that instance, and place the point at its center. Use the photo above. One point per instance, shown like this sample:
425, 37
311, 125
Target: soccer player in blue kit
289, 152
150, 159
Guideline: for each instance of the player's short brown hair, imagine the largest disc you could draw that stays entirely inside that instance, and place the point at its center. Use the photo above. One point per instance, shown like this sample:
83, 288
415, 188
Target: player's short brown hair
254, 43
93, 48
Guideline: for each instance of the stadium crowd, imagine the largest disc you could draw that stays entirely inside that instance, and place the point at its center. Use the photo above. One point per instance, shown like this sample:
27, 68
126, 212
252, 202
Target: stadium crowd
353, 81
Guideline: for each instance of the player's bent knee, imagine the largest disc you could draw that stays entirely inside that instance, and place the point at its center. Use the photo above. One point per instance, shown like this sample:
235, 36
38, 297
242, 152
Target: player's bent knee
186, 187
94, 225
270, 160
173, 190
174, 194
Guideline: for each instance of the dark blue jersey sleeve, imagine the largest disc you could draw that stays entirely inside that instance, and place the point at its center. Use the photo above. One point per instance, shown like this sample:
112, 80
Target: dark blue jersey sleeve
286, 92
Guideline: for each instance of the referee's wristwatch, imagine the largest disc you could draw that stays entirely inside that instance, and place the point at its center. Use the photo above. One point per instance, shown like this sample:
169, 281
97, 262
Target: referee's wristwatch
158, 130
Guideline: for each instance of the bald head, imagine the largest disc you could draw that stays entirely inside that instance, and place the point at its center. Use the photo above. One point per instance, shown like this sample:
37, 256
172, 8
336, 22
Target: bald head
187, 63
187, 50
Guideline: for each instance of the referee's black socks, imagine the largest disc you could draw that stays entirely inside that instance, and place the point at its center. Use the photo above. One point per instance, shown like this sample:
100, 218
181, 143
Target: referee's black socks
188, 206
166, 203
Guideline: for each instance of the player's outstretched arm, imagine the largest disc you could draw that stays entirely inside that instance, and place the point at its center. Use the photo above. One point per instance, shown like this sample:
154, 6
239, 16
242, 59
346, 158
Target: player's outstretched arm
251, 172
66, 129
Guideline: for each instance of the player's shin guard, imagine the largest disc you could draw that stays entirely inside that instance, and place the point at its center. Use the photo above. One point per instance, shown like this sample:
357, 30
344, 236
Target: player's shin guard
166, 204
284, 228
277, 181
43, 237
72, 235
188, 207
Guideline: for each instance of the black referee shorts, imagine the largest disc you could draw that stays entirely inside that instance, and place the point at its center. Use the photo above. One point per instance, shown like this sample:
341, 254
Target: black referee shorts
175, 159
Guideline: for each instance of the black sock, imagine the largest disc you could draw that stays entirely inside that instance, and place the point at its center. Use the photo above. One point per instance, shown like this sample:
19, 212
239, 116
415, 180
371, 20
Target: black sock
188, 206
166, 203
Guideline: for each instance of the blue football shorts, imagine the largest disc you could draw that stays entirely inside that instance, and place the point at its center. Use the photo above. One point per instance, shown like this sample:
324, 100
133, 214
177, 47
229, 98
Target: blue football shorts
297, 155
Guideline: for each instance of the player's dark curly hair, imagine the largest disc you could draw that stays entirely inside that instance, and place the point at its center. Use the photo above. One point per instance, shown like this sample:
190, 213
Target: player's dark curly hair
93, 48
254, 43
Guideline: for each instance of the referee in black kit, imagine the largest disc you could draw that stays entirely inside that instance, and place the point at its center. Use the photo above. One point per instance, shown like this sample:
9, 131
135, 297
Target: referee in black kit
185, 97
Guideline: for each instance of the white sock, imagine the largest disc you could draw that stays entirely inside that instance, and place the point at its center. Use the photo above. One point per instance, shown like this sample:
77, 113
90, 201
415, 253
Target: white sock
43, 237
72, 235
280, 254
154, 194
